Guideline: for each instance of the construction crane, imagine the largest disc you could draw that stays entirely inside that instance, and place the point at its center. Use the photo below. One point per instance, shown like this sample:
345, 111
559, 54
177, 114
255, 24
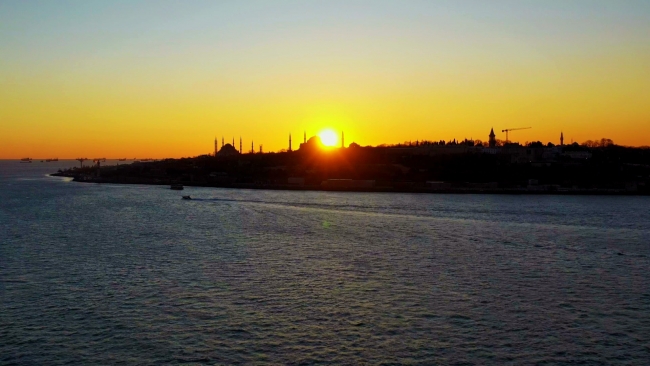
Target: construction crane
81, 160
98, 161
513, 129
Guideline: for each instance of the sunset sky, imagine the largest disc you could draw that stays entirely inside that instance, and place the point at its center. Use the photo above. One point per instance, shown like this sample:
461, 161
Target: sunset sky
163, 78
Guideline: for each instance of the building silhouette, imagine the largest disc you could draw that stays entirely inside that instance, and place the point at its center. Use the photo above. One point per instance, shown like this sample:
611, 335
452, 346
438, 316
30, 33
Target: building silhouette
227, 150
493, 139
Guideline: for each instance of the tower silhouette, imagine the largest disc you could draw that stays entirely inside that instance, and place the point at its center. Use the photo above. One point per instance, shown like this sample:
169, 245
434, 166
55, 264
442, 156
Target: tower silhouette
289, 142
561, 138
305, 137
240, 149
342, 140
493, 140
216, 146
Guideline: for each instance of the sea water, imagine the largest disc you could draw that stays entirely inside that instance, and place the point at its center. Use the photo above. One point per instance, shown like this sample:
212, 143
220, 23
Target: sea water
106, 274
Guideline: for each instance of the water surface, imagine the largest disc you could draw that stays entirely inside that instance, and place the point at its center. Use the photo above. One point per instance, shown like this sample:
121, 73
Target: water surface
103, 274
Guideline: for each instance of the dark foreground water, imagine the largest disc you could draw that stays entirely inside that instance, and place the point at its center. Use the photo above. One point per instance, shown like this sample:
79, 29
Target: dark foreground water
106, 274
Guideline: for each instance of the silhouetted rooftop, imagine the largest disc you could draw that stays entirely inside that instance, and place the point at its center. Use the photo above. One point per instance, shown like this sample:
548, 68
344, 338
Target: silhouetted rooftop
228, 150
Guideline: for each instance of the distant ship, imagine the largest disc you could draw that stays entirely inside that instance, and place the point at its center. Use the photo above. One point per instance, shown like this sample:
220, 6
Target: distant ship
49, 160
121, 159
26, 160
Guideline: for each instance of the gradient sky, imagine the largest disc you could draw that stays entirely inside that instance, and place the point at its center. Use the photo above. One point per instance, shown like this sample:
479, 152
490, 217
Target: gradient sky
163, 78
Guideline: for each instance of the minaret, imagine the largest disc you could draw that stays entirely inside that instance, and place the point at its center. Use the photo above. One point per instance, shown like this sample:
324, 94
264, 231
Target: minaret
289, 142
240, 149
493, 140
561, 138
342, 140
222, 140
216, 146
305, 138
233, 141
252, 149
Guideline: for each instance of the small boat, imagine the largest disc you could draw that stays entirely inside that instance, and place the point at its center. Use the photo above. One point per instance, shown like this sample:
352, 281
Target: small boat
26, 160
187, 197
121, 159
176, 187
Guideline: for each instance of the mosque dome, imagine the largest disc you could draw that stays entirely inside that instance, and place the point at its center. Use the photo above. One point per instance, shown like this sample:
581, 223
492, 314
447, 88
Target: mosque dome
313, 143
227, 150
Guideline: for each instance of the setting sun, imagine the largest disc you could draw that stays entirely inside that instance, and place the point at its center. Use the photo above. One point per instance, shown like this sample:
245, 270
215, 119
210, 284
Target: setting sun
328, 138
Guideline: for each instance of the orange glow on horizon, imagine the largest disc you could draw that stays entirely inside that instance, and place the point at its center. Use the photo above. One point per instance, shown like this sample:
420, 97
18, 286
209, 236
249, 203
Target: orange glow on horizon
170, 78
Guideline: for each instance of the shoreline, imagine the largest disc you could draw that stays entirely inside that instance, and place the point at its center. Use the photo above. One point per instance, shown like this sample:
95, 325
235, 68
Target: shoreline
386, 189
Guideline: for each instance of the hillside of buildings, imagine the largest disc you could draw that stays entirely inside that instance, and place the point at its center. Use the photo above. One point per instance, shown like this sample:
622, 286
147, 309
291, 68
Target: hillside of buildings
465, 166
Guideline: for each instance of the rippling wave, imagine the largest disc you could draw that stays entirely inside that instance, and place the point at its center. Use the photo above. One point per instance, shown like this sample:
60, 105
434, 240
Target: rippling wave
98, 274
